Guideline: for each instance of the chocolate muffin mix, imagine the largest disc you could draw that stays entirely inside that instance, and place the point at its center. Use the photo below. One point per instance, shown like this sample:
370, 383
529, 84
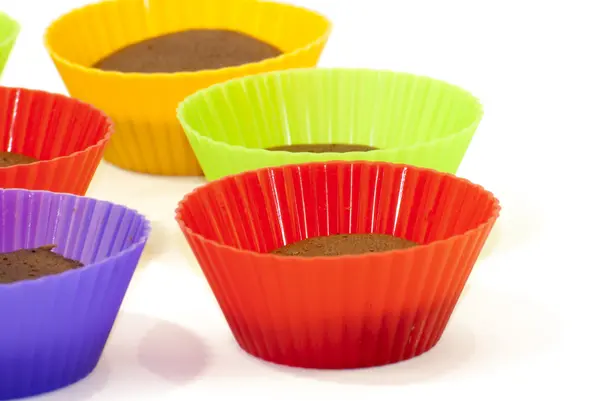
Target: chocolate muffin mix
344, 244
192, 50
8, 159
324, 148
28, 264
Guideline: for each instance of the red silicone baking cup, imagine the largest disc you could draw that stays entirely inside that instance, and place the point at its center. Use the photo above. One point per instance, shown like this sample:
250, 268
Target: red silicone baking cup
337, 312
67, 136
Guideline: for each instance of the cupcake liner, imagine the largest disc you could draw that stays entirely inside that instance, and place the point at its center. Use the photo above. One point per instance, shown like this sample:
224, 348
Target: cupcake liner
347, 311
55, 330
66, 135
410, 119
148, 137
9, 30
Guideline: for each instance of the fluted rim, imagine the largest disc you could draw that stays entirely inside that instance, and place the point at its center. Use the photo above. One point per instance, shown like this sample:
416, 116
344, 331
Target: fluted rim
269, 63
186, 105
98, 145
493, 215
143, 238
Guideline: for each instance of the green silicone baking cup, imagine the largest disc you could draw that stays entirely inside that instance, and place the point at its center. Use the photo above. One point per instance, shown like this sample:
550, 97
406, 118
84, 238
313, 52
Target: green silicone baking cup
409, 119
9, 29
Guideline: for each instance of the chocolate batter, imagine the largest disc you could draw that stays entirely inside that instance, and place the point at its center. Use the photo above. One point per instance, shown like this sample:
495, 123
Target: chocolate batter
8, 159
28, 264
193, 50
344, 244
324, 148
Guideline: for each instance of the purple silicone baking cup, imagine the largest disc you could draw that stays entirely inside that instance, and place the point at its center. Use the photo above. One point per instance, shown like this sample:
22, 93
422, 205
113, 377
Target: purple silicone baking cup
53, 329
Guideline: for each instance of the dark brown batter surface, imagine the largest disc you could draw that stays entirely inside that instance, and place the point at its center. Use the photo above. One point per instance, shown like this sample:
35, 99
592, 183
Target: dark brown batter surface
8, 159
193, 50
344, 244
324, 148
28, 264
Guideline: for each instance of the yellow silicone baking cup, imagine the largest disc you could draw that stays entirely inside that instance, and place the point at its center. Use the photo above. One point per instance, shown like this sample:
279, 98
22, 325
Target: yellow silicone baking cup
148, 137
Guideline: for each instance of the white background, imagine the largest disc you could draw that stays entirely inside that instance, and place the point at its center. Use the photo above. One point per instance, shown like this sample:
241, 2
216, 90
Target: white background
527, 328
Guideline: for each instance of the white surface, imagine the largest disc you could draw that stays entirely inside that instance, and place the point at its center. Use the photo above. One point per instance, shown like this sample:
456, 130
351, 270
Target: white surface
527, 328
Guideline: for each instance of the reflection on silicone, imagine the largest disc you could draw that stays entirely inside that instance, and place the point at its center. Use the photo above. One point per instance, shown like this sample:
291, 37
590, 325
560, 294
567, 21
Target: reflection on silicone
54, 328
341, 312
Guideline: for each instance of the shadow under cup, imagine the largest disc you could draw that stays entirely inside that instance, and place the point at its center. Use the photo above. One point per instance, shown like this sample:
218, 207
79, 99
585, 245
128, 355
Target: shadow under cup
54, 328
345, 311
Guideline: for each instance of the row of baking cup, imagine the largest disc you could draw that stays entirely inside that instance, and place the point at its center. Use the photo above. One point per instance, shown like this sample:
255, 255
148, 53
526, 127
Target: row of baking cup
322, 312
407, 118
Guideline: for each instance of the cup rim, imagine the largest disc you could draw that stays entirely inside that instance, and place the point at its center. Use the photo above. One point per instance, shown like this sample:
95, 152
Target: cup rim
235, 70
493, 216
220, 87
72, 272
99, 144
